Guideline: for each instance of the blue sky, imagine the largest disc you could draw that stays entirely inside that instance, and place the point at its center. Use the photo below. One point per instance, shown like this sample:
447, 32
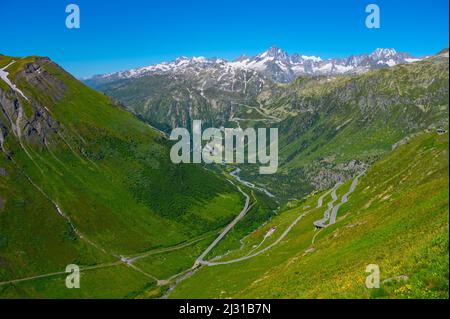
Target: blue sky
115, 36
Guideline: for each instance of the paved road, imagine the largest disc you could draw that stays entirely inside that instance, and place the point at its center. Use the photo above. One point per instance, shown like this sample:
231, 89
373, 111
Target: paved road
258, 252
227, 228
123, 260
330, 206
131, 259
320, 201
248, 256
199, 262
261, 111
344, 199
267, 235
321, 222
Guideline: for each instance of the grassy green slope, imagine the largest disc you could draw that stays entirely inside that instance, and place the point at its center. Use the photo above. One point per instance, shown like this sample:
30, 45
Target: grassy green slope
396, 218
111, 176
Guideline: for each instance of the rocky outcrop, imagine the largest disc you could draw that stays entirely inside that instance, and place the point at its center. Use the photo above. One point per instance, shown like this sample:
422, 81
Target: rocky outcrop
36, 75
29, 119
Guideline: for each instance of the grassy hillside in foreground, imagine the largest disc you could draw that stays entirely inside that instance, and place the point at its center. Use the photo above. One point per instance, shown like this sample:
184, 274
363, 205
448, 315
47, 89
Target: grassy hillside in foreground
397, 217
83, 181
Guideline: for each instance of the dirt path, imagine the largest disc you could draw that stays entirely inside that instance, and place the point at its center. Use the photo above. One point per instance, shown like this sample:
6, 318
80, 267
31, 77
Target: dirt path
106, 265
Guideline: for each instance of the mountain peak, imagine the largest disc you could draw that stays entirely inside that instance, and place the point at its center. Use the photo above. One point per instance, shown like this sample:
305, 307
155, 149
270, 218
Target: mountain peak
381, 53
274, 52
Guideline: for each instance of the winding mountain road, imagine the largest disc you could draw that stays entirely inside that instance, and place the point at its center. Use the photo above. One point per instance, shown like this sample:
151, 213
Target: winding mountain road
321, 222
344, 199
283, 235
227, 228
320, 200
319, 204
259, 251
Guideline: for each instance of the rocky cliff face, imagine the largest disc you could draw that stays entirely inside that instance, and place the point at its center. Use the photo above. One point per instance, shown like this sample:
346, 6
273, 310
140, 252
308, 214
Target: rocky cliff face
37, 127
26, 117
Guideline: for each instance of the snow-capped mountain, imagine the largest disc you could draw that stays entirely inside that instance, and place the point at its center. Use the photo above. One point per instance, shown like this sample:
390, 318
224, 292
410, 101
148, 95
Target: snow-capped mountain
274, 64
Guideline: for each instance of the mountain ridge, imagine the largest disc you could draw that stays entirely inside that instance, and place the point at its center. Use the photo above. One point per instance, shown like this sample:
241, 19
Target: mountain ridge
275, 64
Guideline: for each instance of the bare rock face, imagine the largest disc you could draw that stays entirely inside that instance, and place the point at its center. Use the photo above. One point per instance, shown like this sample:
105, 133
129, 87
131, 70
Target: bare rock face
35, 128
29, 120
326, 175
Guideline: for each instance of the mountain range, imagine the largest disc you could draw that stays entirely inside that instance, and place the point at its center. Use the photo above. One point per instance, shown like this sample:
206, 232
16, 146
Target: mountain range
172, 94
274, 64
